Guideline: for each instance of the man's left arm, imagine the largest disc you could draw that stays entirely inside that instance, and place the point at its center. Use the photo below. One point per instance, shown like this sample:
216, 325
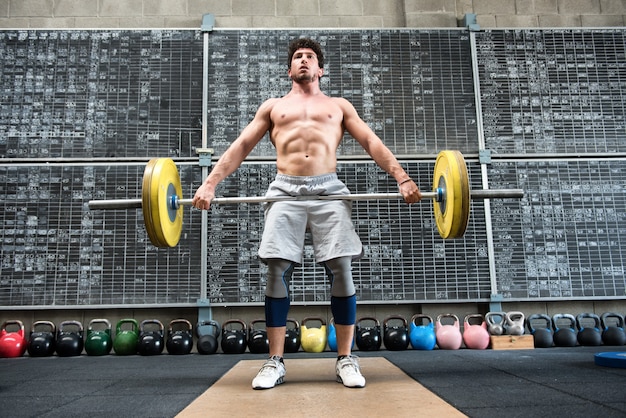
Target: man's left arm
379, 152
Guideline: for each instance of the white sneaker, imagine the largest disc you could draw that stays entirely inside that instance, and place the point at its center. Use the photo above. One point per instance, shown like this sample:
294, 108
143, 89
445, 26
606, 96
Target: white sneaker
349, 372
271, 374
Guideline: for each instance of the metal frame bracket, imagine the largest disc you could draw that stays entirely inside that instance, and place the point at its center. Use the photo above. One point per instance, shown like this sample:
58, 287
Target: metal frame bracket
469, 21
205, 155
484, 156
208, 21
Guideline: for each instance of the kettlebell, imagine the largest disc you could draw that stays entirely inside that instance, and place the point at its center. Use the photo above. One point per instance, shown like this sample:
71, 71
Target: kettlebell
448, 335
69, 342
422, 336
332, 335
151, 336
495, 322
589, 335
207, 332
258, 342
395, 337
12, 343
234, 336
514, 323
313, 339
475, 334
42, 343
542, 336
126, 339
564, 337
98, 341
292, 336
179, 337
368, 334
613, 334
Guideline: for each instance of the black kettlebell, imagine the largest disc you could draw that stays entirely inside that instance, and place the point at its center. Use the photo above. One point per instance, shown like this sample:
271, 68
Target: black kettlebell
542, 335
41, 343
207, 332
564, 337
588, 335
179, 337
292, 336
234, 337
258, 342
69, 343
613, 334
396, 337
151, 337
368, 337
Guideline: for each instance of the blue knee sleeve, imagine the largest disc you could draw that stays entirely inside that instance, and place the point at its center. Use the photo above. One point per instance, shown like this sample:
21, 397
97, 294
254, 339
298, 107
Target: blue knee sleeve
276, 311
343, 309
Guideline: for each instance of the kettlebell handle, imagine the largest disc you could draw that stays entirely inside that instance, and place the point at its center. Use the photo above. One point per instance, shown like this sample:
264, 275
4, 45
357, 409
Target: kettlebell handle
106, 322
174, 322
395, 318
535, 317
207, 323
604, 316
159, 324
234, 321
587, 315
49, 324
65, 324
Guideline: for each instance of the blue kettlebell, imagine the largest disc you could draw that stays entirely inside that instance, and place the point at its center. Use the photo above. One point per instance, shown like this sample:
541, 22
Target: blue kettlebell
422, 335
332, 335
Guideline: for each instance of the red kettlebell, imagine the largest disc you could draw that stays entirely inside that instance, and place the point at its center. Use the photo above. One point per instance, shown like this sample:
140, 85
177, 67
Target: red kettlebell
448, 335
12, 343
475, 334
41, 342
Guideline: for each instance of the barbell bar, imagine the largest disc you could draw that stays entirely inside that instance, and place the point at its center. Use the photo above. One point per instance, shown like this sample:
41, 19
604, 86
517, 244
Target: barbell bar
162, 205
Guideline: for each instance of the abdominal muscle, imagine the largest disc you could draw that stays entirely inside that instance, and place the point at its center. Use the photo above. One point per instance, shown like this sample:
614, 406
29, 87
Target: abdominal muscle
306, 138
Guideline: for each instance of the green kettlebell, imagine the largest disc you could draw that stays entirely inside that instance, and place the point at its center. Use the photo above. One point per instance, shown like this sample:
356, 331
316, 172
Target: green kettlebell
98, 341
126, 340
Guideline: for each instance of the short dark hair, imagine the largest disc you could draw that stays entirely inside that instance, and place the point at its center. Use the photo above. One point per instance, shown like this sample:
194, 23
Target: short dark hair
305, 43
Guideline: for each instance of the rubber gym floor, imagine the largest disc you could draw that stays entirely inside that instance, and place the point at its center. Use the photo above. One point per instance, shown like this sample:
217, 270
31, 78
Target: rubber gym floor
554, 382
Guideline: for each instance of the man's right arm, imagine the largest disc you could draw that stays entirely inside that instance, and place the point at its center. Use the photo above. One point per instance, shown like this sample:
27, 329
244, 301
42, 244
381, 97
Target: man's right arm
234, 155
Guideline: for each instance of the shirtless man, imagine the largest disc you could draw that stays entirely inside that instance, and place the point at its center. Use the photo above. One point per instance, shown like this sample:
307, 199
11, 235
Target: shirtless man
306, 127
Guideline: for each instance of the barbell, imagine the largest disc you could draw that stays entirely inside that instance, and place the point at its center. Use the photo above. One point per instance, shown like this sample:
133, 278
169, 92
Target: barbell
162, 204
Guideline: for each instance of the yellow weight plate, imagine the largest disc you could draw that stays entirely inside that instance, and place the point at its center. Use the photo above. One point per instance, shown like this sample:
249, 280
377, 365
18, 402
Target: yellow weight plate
161, 181
452, 212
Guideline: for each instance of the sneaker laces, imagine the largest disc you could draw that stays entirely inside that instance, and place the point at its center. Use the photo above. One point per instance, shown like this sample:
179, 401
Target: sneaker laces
351, 363
269, 367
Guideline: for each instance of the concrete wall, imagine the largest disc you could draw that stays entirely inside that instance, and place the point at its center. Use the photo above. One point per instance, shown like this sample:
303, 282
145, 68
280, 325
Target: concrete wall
309, 13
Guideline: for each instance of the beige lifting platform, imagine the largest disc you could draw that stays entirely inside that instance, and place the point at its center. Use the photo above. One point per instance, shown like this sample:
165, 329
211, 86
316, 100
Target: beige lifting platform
310, 390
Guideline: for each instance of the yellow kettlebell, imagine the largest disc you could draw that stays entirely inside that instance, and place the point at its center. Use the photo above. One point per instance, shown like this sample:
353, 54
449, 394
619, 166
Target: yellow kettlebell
312, 339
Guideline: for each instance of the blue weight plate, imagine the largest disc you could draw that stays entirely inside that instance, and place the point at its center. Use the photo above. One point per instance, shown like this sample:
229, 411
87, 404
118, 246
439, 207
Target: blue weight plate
613, 359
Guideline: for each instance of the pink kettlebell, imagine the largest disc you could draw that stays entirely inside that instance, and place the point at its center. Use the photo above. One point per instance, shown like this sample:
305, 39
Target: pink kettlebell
448, 335
475, 334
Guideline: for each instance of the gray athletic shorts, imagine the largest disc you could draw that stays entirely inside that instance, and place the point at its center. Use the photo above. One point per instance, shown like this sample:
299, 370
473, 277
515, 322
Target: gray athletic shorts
329, 221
